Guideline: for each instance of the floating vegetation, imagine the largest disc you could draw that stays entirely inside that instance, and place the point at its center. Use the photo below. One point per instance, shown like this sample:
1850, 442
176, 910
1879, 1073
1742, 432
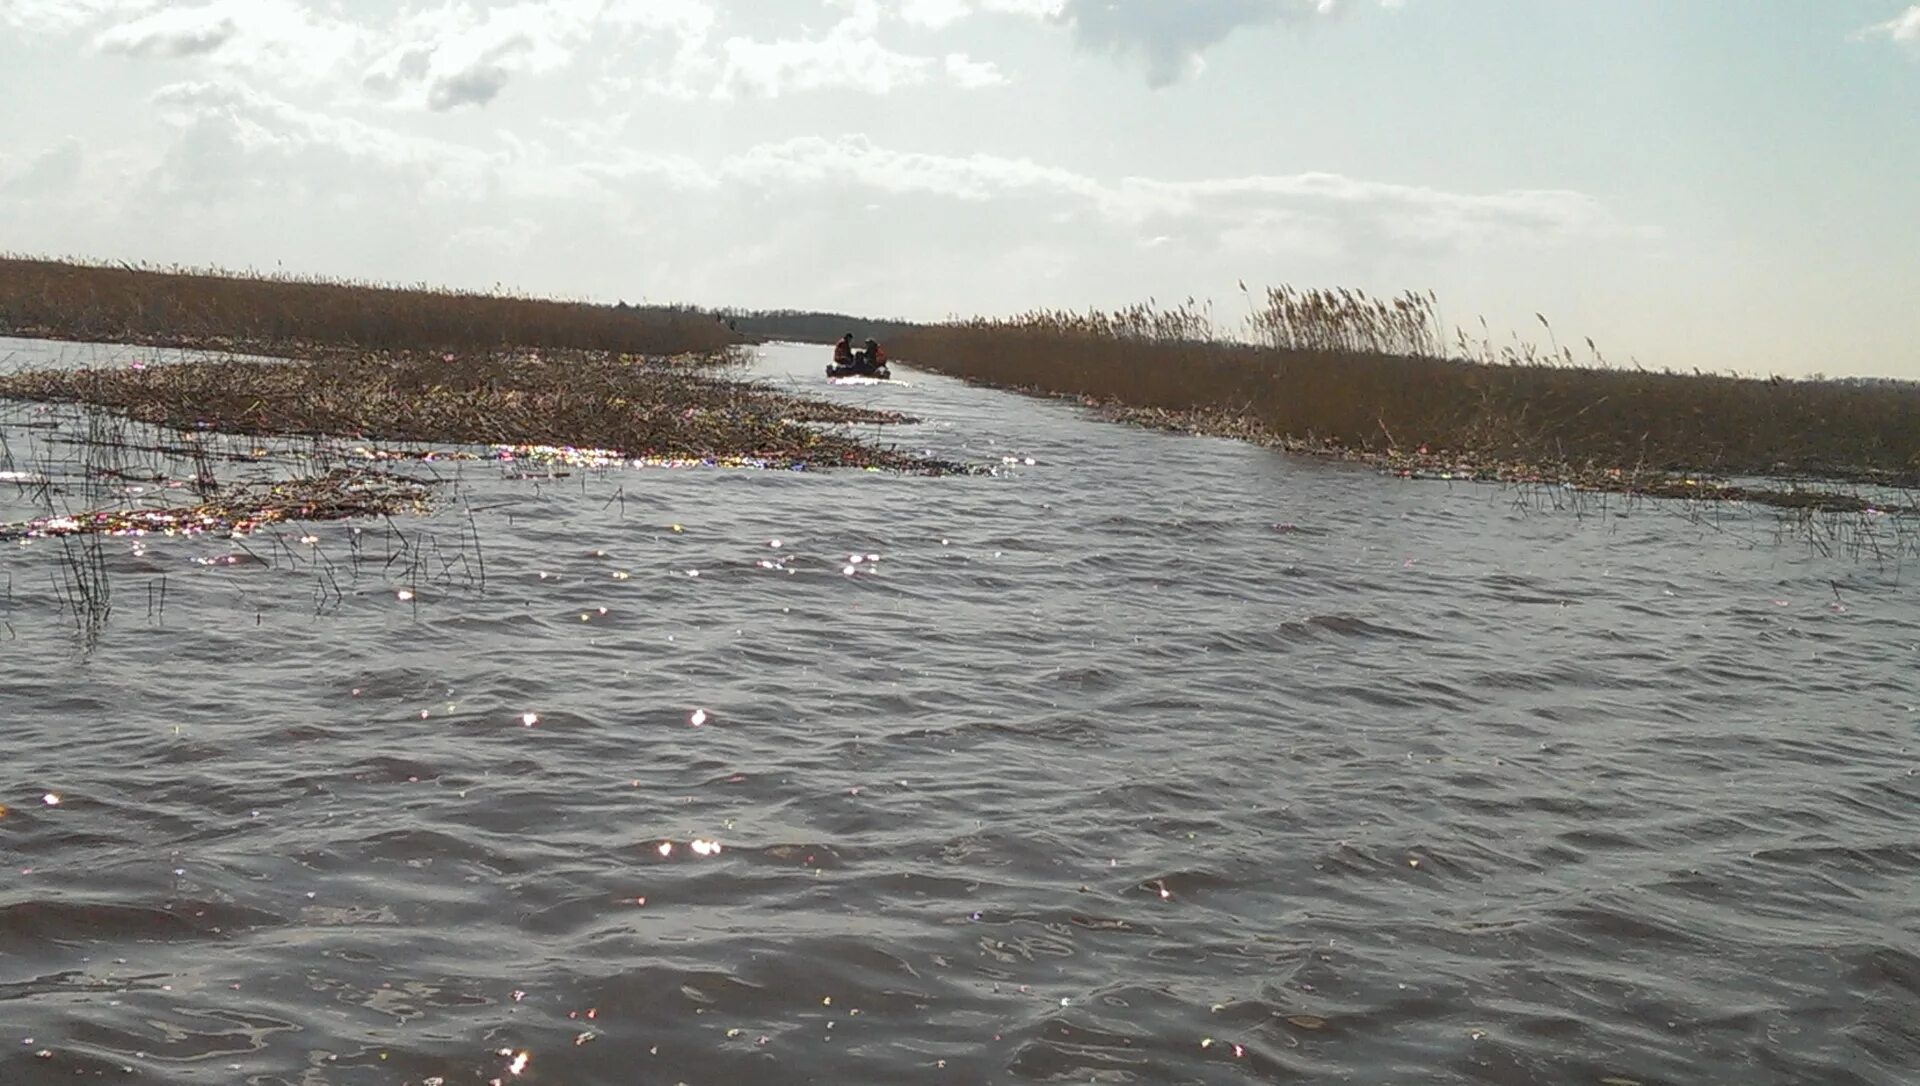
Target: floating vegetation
243, 508
586, 407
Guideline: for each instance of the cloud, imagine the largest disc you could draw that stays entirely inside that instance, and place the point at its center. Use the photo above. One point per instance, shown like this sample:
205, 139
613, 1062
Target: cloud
1903, 28
846, 57
450, 56
54, 172
1307, 210
229, 126
1172, 35
228, 130
441, 55
934, 14
972, 74
282, 39
180, 32
427, 55
850, 56
66, 16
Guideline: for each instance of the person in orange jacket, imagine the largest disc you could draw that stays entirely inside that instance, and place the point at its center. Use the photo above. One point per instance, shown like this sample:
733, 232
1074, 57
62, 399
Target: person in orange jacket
843, 351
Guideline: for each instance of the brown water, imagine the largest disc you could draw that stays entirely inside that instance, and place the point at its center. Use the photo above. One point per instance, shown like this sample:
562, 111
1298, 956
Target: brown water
1160, 760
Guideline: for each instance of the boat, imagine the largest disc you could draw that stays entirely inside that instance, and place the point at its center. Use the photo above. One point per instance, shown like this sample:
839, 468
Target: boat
880, 374
859, 368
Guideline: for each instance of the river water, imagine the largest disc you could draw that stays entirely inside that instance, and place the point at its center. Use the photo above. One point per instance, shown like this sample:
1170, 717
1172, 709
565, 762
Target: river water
1154, 759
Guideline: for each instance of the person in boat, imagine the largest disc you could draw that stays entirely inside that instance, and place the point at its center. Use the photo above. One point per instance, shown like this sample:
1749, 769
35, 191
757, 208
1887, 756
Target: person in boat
843, 352
873, 359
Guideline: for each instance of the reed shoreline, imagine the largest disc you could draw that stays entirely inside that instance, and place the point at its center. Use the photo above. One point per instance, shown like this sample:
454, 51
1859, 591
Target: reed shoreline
1422, 464
1339, 375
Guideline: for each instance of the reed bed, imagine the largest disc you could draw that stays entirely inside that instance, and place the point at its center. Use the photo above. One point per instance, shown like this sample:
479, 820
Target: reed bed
635, 408
283, 314
1339, 373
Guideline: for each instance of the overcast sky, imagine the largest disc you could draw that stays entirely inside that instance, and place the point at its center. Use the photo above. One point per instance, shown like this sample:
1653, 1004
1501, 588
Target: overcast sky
1712, 183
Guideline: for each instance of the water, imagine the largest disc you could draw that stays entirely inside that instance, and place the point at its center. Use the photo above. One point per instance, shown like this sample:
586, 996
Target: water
1160, 759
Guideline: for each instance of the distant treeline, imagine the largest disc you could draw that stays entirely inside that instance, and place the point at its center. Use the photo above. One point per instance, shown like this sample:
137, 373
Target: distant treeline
804, 326
124, 303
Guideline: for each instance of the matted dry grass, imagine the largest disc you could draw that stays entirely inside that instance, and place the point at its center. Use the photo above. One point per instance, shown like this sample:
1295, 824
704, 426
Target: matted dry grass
639, 408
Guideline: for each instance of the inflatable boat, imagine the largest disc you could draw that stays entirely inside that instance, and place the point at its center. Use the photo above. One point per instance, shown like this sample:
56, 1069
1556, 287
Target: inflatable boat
859, 368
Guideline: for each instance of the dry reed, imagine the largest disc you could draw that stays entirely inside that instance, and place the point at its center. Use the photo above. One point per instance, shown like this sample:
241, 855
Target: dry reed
284, 314
1339, 373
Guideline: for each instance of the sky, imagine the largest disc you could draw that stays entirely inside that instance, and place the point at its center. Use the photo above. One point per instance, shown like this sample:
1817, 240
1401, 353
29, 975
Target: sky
1712, 184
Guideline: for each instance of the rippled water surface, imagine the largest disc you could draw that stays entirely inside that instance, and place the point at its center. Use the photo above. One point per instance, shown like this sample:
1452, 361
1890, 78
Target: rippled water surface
1158, 759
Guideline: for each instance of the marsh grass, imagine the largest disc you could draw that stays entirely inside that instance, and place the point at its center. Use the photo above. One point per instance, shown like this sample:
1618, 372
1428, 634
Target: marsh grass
637, 408
284, 314
80, 475
1339, 373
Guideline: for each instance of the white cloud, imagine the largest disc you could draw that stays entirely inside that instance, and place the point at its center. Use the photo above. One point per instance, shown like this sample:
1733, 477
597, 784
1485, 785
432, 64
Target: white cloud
460, 53
54, 172
444, 55
66, 16
972, 74
856, 161
282, 39
180, 32
1903, 28
940, 13
228, 130
455, 55
270, 138
488, 241
935, 14
437, 56
1307, 212
1171, 37
850, 56
846, 57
